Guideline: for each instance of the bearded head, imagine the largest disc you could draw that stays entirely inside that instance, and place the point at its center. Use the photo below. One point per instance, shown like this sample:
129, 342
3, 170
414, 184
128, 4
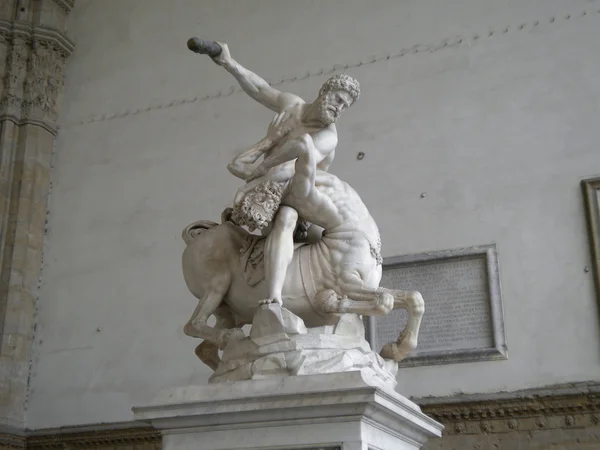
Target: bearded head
336, 95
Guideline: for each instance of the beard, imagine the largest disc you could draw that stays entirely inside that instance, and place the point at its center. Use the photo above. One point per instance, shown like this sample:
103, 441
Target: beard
326, 115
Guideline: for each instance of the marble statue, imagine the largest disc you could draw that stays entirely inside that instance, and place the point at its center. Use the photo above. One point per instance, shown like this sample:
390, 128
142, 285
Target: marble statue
302, 297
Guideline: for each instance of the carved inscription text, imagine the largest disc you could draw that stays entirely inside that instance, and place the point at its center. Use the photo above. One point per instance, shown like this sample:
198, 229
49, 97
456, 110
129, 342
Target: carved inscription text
458, 306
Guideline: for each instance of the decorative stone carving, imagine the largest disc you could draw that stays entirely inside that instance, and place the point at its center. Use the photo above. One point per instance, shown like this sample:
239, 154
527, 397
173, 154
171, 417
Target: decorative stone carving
15, 77
43, 83
33, 50
117, 439
554, 407
65, 5
312, 291
12, 442
34, 77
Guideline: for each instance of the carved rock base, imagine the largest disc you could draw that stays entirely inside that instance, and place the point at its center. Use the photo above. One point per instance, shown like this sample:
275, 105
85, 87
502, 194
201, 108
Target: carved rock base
343, 411
279, 344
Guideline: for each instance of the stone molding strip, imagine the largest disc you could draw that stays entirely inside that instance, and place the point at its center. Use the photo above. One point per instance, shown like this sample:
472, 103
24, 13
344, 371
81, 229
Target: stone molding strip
537, 409
450, 42
12, 442
141, 438
562, 407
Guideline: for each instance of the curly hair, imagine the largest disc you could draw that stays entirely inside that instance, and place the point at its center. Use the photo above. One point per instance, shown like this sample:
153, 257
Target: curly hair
341, 82
259, 205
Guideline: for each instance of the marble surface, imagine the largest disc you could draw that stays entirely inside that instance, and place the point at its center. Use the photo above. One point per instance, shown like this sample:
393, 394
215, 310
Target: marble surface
287, 191
348, 409
280, 344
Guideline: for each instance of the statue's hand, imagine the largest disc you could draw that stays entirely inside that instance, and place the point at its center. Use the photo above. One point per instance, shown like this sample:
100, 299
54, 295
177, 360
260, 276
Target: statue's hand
224, 58
279, 126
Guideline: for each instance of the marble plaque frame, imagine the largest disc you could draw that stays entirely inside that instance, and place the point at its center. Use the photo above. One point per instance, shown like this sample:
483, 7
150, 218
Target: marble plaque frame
591, 195
498, 350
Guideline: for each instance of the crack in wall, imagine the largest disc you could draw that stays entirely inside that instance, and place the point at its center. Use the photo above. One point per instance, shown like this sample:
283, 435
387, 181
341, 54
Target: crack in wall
450, 42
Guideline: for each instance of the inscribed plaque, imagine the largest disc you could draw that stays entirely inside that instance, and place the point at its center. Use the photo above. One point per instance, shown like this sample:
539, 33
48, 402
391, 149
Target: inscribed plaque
591, 192
463, 312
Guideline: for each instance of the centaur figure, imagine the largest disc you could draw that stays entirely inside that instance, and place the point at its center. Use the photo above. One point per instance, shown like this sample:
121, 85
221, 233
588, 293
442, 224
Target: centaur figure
338, 274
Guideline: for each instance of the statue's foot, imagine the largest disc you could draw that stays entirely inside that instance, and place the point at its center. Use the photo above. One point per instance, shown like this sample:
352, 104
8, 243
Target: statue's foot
270, 301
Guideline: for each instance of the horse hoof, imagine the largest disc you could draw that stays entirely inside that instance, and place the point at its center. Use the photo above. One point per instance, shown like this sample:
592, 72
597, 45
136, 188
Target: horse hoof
390, 351
329, 301
190, 330
394, 352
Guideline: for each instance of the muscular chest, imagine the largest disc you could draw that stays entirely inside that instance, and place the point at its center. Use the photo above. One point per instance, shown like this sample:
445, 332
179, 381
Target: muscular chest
296, 126
297, 129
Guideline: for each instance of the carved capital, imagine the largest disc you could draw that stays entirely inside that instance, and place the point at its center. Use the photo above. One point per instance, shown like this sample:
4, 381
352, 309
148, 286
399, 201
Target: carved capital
65, 5
33, 78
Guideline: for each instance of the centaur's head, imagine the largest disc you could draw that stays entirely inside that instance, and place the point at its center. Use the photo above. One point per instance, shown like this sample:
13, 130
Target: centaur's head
259, 205
336, 95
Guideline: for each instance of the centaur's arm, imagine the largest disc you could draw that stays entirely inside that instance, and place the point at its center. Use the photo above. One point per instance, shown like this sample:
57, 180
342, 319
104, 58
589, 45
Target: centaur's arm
240, 166
323, 145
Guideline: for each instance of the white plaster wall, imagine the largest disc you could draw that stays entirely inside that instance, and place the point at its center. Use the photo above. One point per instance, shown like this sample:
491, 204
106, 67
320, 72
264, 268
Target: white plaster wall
497, 130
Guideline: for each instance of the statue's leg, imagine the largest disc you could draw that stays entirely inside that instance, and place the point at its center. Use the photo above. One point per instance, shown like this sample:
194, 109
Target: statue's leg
360, 299
279, 251
207, 351
198, 327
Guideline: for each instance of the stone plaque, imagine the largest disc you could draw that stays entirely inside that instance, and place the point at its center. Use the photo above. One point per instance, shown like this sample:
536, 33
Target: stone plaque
463, 318
591, 192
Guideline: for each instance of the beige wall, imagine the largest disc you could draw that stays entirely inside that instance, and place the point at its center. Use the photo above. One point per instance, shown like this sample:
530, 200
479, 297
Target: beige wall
498, 130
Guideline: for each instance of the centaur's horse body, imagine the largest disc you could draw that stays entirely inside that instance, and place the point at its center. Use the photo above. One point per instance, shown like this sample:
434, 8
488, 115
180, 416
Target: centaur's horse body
338, 274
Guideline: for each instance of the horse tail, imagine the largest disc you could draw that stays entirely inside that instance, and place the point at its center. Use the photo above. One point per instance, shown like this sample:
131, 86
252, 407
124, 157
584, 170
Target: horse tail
195, 229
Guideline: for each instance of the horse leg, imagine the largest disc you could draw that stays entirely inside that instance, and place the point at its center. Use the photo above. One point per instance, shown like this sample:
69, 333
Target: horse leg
197, 325
360, 299
207, 351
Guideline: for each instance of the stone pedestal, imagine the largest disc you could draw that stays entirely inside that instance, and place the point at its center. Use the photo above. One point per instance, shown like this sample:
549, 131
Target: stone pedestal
281, 344
346, 411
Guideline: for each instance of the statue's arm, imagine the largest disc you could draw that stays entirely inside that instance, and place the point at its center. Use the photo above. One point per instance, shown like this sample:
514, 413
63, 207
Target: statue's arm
303, 186
323, 144
324, 165
253, 85
240, 166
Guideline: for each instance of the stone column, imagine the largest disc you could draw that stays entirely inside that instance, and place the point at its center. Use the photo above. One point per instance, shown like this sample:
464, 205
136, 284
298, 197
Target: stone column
33, 51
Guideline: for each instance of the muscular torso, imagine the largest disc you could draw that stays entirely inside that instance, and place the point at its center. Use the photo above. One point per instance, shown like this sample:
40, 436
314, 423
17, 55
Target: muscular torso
325, 138
351, 234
